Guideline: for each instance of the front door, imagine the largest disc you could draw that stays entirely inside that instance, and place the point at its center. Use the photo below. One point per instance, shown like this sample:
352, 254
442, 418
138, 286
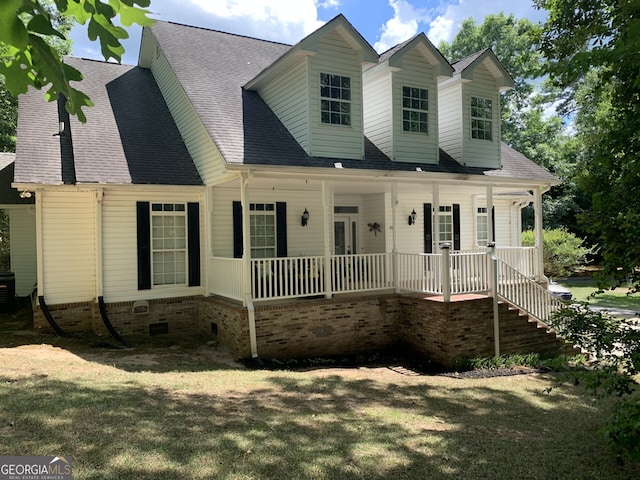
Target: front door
345, 230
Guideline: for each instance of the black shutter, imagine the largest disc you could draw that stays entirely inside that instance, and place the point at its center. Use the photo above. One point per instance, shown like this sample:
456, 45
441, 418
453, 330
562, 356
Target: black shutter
456, 226
193, 226
237, 230
281, 229
428, 228
143, 228
493, 222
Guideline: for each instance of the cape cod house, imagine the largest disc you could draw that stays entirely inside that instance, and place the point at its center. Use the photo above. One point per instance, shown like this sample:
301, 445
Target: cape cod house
287, 200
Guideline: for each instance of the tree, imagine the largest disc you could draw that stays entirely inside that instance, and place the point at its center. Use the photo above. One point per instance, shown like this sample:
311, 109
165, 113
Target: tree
563, 252
592, 50
28, 59
9, 103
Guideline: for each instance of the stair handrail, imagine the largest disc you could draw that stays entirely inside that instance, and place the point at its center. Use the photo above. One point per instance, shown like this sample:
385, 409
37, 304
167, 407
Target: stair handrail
526, 294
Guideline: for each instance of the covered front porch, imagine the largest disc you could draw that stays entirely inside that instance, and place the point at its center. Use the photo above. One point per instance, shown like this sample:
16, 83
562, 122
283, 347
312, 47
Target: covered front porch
276, 238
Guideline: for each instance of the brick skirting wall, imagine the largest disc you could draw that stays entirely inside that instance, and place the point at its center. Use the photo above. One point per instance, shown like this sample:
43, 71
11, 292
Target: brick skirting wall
443, 332
309, 328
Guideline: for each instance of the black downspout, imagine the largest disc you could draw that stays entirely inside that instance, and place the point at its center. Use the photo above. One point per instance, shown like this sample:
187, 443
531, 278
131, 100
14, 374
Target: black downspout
47, 315
105, 319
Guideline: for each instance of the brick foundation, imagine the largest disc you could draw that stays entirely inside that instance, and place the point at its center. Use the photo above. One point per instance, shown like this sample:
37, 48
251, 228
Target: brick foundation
443, 332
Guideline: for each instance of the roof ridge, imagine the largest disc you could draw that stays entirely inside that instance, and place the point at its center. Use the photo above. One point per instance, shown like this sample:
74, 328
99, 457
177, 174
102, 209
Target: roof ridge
223, 32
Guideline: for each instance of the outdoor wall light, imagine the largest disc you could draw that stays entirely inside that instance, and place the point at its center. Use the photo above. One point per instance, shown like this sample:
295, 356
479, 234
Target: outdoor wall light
305, 217
412, 217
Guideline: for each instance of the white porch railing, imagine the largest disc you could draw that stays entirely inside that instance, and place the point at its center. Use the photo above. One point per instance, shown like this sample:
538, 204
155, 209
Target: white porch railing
420, 272
523, 259
225, 276
467, 272
525, 294
287, 277
360, 273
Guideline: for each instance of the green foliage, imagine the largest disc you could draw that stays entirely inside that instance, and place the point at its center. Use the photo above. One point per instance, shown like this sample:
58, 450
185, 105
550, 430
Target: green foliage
28, 59
592, 50
564, 252
5, 260
534, 360
615, 344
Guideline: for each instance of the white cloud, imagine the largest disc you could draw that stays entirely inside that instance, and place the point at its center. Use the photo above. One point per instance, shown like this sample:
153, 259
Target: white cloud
447, 24
328, 4
403, 25
279, 20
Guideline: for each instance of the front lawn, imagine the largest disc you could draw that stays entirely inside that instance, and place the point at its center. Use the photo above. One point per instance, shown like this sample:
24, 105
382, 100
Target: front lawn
186, 410
583, 287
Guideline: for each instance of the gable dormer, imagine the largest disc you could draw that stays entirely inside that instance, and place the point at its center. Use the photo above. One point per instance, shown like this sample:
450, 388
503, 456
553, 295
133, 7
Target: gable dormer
315, 89
469, 110
401, 101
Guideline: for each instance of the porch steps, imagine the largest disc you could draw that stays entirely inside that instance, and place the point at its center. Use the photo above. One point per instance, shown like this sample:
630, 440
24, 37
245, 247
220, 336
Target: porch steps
520, 333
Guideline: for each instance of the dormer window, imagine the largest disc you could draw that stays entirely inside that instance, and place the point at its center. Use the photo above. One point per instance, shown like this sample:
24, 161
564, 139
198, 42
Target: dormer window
415, 110
335, 99
481, 118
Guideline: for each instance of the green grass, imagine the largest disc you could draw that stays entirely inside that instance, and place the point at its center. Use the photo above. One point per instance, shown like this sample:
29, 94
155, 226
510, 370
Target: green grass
184, 410
583, 287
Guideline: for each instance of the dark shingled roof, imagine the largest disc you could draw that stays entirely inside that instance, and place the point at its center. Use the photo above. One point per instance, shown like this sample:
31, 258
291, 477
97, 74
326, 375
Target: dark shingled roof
130, 136
463, 63
8, 195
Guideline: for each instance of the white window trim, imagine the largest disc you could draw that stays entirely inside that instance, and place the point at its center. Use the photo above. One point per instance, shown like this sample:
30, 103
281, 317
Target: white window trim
418, 110
339, 100
482, 119
169, 213
253, 212
445, 211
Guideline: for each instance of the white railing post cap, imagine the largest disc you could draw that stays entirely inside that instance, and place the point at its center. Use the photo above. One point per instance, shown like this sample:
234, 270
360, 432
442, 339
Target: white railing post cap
445, 246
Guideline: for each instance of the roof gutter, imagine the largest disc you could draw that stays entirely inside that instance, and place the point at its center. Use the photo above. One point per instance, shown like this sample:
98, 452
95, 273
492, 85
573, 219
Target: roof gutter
338, 173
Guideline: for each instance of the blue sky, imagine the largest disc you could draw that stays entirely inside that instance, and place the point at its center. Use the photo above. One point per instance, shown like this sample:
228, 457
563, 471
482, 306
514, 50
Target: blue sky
383, 23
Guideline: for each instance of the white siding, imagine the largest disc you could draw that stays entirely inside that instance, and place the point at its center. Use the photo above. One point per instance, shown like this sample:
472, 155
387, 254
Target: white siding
202, 148
450, 120
119, 244
378, 107
301, 241
408, 146
22, 225
288, 97
410, 238
481, 153
336, 57
69, 245
374, 211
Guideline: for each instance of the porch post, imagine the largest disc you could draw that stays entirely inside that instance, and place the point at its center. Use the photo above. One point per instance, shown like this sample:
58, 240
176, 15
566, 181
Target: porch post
537, 207
436, 217
394, 221
492, 262
327, 214
446, 272
490, 219
246, 262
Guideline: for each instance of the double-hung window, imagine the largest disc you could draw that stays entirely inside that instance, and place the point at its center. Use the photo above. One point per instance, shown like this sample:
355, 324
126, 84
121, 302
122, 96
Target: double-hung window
445, 222
415, 110
335, 99
262, 227
481, 118
169, 243
482, 227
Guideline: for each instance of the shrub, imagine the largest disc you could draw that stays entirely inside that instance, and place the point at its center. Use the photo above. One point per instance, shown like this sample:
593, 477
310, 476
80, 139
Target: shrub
615, 345
563, 251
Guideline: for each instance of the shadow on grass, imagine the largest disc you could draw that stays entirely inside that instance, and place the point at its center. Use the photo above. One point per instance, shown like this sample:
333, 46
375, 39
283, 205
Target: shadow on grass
305, 427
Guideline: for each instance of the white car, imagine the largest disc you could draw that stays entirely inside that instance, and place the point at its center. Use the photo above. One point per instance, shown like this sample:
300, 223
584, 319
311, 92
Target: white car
563, 293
